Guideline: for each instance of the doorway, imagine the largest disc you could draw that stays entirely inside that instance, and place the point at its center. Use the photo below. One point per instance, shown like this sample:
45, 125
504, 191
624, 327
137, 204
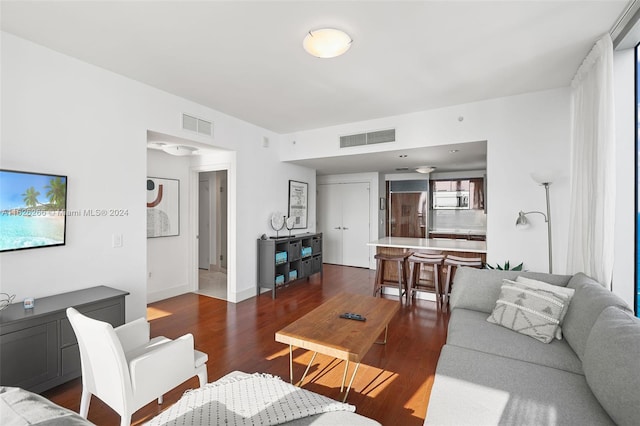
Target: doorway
212, 234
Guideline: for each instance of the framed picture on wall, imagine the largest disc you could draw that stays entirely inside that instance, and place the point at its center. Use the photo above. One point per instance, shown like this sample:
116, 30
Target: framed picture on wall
163, 207
298, 203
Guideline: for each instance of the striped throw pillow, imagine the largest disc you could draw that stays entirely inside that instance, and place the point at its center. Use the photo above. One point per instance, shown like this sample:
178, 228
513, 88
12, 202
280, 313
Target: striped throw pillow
531, 311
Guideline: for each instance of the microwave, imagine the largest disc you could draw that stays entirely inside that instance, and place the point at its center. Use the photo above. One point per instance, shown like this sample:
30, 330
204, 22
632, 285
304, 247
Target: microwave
451, 200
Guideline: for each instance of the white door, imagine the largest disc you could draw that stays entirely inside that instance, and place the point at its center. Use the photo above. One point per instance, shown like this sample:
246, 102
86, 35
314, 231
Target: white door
355, 224
343, 219
329, 203
203, 225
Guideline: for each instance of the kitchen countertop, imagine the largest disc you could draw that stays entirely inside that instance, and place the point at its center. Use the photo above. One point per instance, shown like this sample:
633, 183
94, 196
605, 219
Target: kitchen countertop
459, 231
431, 244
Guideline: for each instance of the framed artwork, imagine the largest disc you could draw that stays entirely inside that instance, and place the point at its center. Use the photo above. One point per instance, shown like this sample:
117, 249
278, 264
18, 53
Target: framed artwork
298, 203
163, 207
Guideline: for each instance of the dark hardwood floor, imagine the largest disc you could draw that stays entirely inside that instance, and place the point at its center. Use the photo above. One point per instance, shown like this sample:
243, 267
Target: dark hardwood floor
392, 385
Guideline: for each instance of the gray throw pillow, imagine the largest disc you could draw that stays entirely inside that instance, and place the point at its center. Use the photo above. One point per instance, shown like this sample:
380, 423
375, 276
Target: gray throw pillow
529, 310
612, 366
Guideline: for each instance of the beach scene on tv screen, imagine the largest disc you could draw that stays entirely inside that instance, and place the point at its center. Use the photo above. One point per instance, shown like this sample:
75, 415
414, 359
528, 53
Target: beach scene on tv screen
32, 210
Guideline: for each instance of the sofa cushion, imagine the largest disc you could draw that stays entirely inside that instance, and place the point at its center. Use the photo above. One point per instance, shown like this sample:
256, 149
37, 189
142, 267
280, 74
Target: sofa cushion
474, 388
529, 310
469, 329
587, 303
612, 366
478, 289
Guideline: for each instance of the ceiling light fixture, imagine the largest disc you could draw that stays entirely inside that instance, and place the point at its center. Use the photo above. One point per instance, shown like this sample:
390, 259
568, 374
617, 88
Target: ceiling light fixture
156, 145
453, 151
179, 150
425, 169
326, 43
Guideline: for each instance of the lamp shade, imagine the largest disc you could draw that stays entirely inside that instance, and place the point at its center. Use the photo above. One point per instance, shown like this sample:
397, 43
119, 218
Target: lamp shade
326, 43
522, 221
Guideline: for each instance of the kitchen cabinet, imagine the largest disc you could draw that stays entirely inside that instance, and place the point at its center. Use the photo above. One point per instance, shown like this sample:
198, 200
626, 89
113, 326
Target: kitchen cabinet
450, 185
458, 236
475, 187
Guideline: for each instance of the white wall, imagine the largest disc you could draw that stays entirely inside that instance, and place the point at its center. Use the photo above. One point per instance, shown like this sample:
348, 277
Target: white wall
524, 134
167, 257
623, 268
61, 115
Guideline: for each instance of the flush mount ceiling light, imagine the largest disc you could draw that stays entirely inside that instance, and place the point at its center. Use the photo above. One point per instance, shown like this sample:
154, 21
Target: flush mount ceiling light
179, 150
326, 43
156, 145
425, 169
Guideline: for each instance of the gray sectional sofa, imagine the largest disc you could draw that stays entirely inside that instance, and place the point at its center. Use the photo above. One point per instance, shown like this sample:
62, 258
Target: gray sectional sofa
488, 374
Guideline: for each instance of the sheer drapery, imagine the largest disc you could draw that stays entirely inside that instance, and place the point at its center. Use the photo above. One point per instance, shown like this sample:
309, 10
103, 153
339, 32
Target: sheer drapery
593, 166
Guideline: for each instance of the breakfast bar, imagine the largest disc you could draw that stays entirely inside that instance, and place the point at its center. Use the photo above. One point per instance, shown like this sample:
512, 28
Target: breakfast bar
454, 247
461, 248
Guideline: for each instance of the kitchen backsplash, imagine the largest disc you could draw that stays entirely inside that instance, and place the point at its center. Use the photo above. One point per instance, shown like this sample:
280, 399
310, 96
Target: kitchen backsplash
458, 219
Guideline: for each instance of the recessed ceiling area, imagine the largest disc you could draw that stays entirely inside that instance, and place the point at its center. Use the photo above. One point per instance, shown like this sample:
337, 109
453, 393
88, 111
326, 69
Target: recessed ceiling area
445, 158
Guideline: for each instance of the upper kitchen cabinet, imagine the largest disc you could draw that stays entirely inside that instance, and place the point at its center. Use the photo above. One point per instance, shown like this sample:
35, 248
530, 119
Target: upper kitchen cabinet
470, 191
476, 193
450, 185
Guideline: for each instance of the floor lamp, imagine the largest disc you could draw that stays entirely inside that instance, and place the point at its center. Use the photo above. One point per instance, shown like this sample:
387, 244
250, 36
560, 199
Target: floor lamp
522, 222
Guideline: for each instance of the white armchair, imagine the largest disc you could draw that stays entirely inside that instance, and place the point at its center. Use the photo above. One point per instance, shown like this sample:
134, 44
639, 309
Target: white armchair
126, 369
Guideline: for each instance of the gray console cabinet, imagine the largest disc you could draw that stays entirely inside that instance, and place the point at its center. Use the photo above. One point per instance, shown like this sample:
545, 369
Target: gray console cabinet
38, 348
303, 258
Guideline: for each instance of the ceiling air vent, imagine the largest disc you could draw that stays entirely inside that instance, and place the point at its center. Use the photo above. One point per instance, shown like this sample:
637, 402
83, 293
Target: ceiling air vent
380, 136
198, 125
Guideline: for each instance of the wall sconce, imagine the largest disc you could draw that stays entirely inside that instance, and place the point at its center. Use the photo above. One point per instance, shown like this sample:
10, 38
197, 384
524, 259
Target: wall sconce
523, 222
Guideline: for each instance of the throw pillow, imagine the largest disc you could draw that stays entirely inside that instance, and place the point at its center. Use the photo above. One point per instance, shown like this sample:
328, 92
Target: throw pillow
528, 310
568, 292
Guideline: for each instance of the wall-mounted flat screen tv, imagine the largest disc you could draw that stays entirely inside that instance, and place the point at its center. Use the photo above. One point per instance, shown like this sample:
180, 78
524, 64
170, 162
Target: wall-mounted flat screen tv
32, 210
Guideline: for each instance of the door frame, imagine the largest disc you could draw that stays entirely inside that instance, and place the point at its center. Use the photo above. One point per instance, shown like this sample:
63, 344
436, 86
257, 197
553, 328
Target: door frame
194, 173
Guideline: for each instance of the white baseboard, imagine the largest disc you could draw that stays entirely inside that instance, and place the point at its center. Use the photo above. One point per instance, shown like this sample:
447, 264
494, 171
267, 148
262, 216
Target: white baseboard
243, 295
167, 293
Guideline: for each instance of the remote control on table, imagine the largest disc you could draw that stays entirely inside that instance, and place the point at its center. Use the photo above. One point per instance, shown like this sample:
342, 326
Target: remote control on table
356, 317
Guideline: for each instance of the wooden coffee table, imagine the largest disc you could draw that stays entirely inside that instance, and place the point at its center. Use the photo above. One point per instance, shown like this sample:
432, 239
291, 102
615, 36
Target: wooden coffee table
323, 331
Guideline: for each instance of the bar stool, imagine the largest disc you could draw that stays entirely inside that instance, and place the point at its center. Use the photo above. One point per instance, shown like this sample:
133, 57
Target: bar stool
428, 284
451, 264
401, 262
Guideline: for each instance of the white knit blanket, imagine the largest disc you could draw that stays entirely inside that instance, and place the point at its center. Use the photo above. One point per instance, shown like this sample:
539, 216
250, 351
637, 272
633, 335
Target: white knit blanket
246, 399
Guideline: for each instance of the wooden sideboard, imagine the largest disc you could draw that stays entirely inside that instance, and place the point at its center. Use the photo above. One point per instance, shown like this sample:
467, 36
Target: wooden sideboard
38, 348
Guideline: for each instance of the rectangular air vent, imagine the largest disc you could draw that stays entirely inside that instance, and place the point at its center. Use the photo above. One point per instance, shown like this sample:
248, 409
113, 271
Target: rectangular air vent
198, 125
380, 136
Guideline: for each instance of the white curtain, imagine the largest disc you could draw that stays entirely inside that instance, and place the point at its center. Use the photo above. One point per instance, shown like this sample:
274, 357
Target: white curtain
593, 166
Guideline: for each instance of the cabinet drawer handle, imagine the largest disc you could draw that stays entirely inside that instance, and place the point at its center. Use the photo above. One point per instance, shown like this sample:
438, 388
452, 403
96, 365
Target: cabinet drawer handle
337, 227
345, 228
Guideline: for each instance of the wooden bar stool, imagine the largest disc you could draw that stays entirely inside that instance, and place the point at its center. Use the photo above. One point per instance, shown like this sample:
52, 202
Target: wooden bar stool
428, 284
401, 262
451, 264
